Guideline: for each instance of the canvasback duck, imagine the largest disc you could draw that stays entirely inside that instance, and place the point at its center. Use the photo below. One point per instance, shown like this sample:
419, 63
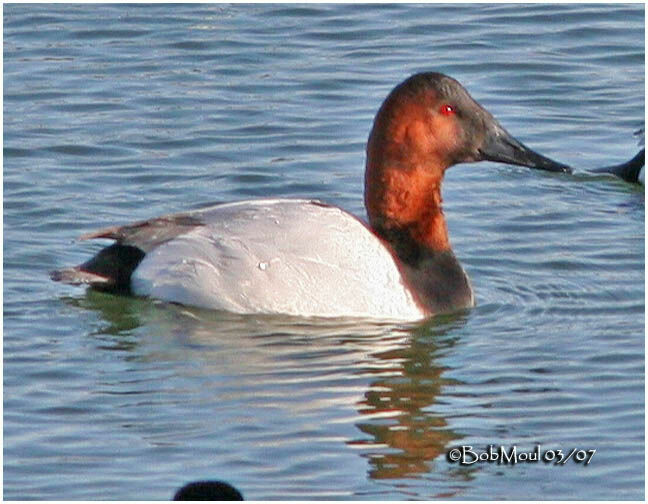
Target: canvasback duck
307, 258
631, 171
208, 490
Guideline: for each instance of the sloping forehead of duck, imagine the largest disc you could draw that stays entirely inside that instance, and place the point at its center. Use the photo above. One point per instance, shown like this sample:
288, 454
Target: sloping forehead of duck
454, 93
435, 90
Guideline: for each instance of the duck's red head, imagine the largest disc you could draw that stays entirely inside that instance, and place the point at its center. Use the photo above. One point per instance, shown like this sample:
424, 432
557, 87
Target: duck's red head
427, 124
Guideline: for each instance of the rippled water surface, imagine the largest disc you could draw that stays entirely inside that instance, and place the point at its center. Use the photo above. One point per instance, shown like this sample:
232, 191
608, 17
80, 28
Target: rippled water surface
117, 113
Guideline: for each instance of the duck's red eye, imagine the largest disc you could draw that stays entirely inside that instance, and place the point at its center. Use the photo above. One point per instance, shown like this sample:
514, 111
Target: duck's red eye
447, 110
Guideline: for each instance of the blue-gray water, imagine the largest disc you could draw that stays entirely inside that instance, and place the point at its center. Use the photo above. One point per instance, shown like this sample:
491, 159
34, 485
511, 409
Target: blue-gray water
117, 113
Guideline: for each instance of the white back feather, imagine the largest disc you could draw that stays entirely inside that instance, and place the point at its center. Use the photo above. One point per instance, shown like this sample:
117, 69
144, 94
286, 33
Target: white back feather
295, 257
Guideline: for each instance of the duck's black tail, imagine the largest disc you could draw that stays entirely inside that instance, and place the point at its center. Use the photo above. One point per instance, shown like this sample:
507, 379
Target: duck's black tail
627, 171
109, 270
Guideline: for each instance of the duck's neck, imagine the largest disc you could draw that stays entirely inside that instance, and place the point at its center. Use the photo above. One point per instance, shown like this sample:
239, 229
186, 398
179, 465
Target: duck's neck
405, 210
405, 168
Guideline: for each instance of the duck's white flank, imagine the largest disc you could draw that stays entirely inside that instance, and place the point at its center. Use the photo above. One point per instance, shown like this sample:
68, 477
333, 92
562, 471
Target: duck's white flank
279, 256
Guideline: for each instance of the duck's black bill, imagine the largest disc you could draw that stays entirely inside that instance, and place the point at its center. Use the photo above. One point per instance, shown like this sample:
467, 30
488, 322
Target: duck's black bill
501, 147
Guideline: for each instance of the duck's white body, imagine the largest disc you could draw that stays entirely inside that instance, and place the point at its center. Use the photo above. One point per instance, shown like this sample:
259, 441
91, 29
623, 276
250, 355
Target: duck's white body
279, 256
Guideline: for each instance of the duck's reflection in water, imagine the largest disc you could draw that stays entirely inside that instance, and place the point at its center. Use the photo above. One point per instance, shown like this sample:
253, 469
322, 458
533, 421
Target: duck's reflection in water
397, 366
399, 406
